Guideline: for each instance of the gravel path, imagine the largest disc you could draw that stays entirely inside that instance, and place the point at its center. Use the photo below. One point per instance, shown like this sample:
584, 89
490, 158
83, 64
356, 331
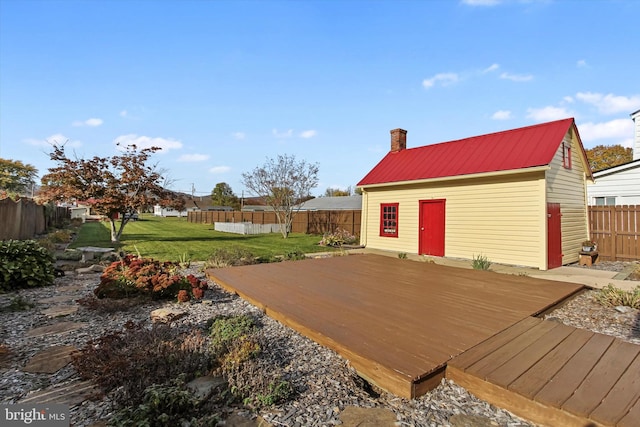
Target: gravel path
324, 382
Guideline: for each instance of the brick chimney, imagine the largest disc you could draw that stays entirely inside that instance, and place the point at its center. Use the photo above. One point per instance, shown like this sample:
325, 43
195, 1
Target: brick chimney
398, 139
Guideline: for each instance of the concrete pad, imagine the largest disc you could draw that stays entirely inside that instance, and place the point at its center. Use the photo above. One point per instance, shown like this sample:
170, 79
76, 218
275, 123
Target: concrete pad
56, 328
50, 360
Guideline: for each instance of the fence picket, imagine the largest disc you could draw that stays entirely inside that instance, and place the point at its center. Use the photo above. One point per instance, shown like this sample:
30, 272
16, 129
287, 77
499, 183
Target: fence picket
616, 230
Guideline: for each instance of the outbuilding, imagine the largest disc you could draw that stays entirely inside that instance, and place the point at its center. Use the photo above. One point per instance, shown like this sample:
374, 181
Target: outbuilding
516, 197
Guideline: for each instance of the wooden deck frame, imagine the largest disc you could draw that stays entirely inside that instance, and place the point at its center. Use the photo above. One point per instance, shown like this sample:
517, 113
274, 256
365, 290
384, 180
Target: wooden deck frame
398, 322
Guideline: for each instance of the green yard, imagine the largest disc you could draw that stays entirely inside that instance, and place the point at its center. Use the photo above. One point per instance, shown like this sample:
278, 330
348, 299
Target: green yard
168, 239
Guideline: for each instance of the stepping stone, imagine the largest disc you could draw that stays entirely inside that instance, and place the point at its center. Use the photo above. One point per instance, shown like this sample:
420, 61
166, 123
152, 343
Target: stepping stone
237, 420
60, 310
353, 416
71, 394
50, 360
57, 299
166, 315
56, 328
95, 268
71, 288
462, 420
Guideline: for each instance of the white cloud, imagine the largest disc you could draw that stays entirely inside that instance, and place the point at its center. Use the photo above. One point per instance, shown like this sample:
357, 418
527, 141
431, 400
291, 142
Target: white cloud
568, 99
165, 144
610, 103
193, 158
92, 122
239, 135
501, 115
57, 139
549, 113
285, 134
219, 169
613, 129
516, 77
308, 134
445, 79
492, 67
481, 2
581, 63
124, 113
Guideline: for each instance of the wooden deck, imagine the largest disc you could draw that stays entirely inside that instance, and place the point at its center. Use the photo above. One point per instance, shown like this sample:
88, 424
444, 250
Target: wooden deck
398, 322
554, 374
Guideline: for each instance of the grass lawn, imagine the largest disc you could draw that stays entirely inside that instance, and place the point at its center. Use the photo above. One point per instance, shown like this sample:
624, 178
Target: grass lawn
168, 239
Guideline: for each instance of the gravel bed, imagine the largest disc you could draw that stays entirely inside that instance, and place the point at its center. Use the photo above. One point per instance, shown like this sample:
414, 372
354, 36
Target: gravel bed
324, 382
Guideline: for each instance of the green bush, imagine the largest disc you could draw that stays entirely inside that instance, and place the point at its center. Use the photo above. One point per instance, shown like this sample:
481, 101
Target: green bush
296, 255
226, 329
481, 262
610, 296
25, 264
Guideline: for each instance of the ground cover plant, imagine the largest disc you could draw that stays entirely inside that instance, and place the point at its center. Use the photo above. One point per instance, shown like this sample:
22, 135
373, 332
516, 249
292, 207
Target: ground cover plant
610, 296
170, 239
481, 262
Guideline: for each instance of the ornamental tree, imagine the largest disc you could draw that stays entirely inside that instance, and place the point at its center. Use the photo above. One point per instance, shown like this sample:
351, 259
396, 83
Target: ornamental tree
112, 186
282, 184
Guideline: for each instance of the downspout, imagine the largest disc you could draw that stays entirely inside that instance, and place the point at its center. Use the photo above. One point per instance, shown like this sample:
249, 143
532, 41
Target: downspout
364, 218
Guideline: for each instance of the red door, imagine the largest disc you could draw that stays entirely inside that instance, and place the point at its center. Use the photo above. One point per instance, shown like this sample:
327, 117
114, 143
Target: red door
554, 236
432, 222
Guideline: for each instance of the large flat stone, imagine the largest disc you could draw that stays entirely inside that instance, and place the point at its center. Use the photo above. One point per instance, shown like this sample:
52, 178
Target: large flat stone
353, 416
166, 315
71, 394
71, 288
56, 328
50, 360
57, 299
60, 310
202, 387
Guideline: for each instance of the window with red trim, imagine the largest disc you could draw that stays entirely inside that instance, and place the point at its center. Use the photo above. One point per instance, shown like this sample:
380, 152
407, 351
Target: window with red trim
566, 155
389, 219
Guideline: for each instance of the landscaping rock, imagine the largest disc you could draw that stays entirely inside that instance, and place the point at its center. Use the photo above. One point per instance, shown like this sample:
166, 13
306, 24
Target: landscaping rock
238, 420
71, 394
95, 268
166, 315
57, 299
50, 360
354, 416
462, 420
203, 387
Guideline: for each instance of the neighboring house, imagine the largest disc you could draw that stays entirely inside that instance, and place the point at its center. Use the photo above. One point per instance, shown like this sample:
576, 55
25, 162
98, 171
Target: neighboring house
344, 203
191, 205
619, 185
516, 197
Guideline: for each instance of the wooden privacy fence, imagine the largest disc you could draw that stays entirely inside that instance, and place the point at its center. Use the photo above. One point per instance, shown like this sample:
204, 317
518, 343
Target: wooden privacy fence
309, 222
25, 218
616, 230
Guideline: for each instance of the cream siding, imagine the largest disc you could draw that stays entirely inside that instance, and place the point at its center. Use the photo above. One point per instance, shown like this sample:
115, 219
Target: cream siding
498, 217
568, 187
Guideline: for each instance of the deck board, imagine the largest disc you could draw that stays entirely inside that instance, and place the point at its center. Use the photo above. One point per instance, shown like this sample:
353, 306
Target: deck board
397, 320
563, 376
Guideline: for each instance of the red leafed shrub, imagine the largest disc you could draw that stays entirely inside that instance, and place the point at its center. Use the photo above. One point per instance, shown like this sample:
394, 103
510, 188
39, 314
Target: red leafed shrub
183, 296
134, 276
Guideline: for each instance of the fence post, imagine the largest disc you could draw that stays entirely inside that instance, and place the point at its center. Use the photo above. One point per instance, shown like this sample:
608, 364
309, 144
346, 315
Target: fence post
613, 212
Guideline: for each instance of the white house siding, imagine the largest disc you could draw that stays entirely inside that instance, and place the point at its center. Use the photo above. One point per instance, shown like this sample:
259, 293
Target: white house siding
623, 185
498, 217
567, 187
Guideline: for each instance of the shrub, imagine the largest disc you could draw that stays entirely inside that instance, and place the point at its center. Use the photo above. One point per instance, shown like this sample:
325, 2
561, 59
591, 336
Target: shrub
481, 262
226, 329
134, 276
257, 383
128, 362
69, 255
60, 236
229, 257
338, 238
110, 305
296, 255
25, 264
610, 296
18, 303
402, 255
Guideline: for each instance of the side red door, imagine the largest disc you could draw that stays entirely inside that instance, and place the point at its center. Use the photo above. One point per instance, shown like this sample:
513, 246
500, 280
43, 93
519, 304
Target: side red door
432, 222
554, 236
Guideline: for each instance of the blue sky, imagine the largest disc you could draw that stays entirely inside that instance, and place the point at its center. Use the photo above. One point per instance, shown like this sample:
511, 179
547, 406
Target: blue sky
222, 86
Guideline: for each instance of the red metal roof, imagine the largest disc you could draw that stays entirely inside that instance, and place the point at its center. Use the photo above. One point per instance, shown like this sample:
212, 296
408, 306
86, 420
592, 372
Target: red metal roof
513, 149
